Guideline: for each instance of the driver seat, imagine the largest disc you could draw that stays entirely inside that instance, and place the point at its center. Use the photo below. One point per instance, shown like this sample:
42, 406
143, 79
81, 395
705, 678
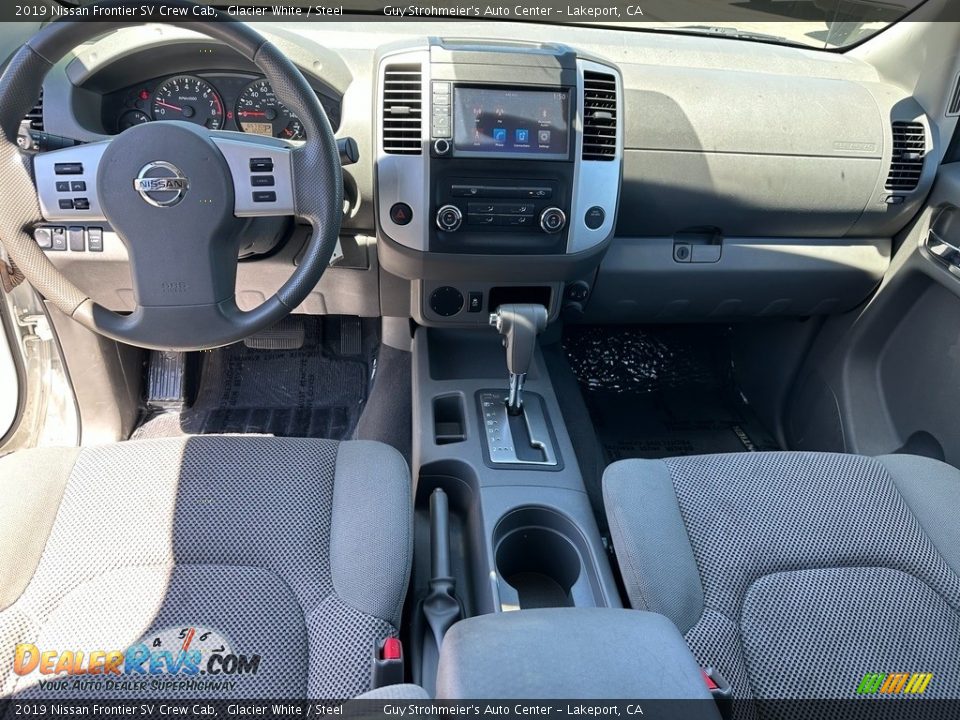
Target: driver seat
293, 551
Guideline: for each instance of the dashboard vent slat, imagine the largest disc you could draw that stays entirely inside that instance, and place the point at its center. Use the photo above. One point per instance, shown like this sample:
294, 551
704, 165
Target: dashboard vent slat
402, 110
35, 116
953, 107
599, 116
906, 163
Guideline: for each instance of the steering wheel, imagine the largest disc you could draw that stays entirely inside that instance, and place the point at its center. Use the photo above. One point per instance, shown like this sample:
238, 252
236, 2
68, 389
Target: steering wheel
177, 194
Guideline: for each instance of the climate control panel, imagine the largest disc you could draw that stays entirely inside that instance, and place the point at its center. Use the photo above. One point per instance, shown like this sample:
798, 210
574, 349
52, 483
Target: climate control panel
501, 215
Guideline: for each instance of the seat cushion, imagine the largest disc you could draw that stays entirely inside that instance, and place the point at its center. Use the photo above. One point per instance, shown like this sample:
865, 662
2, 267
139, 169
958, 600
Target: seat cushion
294, 550
797, 573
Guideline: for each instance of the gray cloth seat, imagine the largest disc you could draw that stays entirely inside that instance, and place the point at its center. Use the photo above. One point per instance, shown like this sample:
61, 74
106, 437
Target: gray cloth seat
293, 551
795, 574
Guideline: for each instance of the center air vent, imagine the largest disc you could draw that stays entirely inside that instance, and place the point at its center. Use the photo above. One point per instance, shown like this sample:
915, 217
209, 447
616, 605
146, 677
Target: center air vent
599, 116
906, 164
35, 116
402, 109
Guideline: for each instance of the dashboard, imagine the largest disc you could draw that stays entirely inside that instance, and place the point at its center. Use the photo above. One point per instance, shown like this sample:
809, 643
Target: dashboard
611, 175
243, 102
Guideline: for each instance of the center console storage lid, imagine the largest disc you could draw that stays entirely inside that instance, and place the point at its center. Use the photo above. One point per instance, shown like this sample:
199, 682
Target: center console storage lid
570, 653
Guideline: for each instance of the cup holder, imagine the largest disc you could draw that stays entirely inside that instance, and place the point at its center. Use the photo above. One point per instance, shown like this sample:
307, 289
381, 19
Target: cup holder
539, 560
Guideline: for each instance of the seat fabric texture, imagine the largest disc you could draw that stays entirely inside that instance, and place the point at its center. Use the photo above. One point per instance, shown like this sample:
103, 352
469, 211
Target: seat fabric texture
794, 574
294, 550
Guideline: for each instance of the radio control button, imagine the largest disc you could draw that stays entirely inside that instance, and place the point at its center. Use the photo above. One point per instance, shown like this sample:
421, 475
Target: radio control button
441, 146
483, 207
449, 218
552, 220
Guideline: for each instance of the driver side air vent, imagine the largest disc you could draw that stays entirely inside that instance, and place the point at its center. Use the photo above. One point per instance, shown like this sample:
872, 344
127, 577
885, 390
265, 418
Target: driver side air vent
402, 109
35, 116
906, 164
599, 116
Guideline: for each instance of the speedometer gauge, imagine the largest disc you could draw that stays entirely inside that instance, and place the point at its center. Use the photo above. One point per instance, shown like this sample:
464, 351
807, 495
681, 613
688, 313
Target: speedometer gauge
189, 98
260, 112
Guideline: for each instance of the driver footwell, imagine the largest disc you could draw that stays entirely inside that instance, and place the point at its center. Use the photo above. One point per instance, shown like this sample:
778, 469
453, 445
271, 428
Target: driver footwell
318, 389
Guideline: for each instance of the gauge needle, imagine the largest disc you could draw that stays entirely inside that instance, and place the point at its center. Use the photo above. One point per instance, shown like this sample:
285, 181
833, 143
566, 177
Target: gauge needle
161, 103
249, 113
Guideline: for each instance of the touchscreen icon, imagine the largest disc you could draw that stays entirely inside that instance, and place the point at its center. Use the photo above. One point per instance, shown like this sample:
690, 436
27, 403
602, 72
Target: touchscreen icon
522, 135
544, 137
500, 135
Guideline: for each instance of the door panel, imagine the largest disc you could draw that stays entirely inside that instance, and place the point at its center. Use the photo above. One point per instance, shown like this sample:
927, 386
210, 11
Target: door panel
886, 377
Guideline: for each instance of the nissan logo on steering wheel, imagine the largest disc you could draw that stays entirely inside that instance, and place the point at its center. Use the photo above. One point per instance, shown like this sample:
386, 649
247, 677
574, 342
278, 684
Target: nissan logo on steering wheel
161, 184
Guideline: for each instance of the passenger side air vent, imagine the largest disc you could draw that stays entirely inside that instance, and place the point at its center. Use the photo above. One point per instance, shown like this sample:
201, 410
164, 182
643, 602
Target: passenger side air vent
953, 107
402, 110
906, 165
35, 116
599, 116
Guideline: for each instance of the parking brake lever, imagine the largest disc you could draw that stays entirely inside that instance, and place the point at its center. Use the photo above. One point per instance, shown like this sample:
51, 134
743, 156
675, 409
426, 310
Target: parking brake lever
440, 607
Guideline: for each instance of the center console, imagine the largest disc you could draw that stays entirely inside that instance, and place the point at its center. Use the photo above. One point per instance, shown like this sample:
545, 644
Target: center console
575, 653
498, 172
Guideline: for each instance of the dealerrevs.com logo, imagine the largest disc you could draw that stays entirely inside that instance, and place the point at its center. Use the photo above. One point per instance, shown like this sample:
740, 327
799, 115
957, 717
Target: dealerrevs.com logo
185, 652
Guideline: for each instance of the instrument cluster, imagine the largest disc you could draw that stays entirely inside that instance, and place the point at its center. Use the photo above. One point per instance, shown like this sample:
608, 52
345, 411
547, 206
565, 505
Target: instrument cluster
218, 101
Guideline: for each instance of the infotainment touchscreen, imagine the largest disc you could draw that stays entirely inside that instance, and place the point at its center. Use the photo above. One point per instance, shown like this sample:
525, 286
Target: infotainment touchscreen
515, 123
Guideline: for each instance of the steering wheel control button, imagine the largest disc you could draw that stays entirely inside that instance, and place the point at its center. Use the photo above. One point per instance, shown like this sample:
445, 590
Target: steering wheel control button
259, 165
78, 186
446, 301
401, 213
65, 204
58, 238
594, 217
68, 168
262, 180
81, 203
474, 302
449, 219
63, 186
76, 239
95, 239
265, 196
161, 184
552, 220
43, 237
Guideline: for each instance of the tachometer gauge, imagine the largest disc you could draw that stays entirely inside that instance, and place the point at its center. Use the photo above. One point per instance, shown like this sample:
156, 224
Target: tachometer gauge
260, 112
189, 98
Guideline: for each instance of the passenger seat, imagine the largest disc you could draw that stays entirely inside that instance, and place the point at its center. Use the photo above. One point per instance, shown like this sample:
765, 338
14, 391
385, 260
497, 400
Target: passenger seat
794, 574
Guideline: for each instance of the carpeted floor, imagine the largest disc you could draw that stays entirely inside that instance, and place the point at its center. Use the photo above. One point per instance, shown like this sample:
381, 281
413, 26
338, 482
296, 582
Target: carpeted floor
661, 392
313, 391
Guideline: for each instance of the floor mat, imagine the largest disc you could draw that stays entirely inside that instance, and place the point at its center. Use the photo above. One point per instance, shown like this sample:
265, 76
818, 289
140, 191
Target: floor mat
662, 392
311, 391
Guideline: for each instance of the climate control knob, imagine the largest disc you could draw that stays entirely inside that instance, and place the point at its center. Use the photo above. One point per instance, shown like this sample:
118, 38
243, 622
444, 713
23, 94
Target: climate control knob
449, 218
552, 220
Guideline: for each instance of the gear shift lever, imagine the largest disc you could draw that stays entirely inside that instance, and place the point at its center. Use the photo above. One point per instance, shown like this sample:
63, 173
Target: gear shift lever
519, 324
